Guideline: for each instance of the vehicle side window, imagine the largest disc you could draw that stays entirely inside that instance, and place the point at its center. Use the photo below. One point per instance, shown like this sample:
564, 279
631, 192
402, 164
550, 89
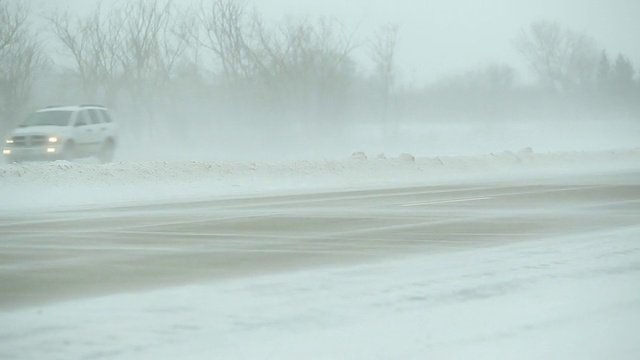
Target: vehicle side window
95, 117
82, 119
106, 117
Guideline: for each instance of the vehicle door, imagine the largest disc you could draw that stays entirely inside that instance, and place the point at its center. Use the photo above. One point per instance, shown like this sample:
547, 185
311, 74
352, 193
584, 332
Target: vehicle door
98, 129
109, 125
83, 133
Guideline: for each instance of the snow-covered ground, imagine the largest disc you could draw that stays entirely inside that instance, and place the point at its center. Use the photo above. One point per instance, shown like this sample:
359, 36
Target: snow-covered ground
557, 298
574, 296
43, 186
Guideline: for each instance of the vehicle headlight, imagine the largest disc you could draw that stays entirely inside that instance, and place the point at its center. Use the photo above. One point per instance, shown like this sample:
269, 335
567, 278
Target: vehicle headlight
10, 141
53, 139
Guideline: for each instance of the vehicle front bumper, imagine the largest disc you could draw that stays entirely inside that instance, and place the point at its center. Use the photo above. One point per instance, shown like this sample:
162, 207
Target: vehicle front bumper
39, 153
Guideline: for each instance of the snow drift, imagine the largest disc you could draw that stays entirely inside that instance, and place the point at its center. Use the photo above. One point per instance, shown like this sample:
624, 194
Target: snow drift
44, 186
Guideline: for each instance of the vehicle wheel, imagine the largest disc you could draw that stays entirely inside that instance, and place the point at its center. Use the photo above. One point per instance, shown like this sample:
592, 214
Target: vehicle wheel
107, 152
68, 151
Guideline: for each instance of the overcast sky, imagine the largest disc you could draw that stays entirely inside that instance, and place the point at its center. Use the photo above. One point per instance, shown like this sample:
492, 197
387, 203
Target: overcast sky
439, 37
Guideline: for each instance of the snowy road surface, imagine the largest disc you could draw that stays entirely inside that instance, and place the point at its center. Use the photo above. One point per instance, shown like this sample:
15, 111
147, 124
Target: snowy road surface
507, 269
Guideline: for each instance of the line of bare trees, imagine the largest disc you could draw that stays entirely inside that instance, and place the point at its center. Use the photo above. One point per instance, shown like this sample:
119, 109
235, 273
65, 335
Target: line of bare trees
124, 51
144, 53
219, 60
575, 78
141, 55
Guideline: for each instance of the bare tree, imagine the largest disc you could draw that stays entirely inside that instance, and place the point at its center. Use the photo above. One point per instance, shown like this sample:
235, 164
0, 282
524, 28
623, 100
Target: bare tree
12, 24
144, 24
383, 54
310, 65
105, 51
296, 65
132, 47
560, 58
228, 33
622, 74
175, 39
76, 34
95, 44
21, 57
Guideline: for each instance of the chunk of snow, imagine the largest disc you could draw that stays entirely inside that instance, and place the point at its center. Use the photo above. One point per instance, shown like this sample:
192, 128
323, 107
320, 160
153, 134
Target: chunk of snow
407, 157
361, 156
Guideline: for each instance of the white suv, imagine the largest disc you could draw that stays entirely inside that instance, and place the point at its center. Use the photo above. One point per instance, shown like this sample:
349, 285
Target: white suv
64, 133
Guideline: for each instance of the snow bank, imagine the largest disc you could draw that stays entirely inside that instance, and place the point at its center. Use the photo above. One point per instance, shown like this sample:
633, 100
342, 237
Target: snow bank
58, 184
574, 297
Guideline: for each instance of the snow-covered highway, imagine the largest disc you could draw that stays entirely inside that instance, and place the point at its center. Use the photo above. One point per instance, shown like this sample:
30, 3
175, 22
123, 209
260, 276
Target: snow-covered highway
74, 253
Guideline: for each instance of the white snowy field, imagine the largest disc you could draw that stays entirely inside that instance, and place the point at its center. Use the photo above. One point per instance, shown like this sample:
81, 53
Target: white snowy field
575, 297
571, 291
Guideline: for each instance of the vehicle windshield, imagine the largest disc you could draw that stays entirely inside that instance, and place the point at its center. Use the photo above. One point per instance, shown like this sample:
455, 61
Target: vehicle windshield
48, 118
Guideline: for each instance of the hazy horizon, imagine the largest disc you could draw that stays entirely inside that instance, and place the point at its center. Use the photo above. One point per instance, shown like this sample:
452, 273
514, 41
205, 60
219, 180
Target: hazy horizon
439, 38
303, 110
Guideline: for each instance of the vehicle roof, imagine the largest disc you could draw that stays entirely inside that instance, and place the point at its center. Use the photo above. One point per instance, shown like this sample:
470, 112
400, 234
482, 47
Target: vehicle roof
72, 108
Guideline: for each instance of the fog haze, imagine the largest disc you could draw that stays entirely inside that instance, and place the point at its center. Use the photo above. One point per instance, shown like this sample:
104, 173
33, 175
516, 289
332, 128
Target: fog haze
327, 179
444, 36
328, 78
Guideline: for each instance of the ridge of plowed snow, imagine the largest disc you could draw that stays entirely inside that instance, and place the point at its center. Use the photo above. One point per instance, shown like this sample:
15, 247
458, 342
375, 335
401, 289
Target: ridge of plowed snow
62, 183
